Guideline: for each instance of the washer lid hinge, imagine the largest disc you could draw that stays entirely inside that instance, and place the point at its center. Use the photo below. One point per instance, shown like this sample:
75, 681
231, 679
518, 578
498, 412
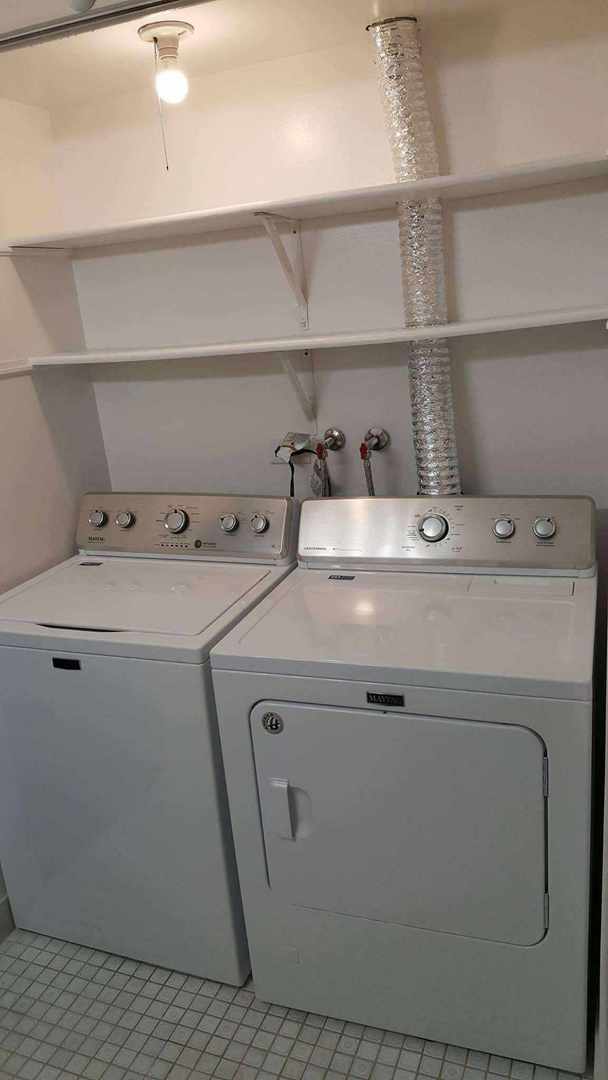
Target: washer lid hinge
546, 776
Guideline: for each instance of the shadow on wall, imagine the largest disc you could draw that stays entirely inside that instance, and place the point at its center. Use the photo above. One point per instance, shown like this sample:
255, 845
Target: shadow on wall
67, 403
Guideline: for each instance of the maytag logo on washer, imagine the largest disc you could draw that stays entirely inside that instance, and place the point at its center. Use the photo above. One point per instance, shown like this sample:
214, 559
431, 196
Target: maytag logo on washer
386, 699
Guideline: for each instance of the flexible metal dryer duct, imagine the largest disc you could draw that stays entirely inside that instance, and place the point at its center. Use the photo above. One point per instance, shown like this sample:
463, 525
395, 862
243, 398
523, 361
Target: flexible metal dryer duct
422, 257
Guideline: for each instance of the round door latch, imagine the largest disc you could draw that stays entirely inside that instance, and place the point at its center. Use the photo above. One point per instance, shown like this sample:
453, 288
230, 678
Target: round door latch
272, 722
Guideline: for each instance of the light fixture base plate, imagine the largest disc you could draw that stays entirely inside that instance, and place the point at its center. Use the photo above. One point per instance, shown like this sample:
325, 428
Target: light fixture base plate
151, 32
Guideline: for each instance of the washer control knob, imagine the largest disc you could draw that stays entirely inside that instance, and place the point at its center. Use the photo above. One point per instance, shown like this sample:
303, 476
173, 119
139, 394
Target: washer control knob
504, 528
229, 523
176, 521
544, 528
259, 523
97, 519
433, 527
124, 519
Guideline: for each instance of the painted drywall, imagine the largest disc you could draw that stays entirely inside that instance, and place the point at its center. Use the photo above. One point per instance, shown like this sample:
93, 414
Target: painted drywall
28, 198
52, 451
507, 255
508, 82
531, 410
51, 444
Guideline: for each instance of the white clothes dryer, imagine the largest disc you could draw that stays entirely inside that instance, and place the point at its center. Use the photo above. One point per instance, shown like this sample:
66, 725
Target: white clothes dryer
114, 829
406, 726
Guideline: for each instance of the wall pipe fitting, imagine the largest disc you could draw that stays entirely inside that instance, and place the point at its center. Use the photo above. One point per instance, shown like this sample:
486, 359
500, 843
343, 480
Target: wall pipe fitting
414, 151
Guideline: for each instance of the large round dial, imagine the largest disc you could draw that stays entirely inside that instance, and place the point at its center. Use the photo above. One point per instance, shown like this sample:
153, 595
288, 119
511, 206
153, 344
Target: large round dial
433, 527
229, 523
544, 528
176, 521
124, 519
504, 528
259, 523
97, 519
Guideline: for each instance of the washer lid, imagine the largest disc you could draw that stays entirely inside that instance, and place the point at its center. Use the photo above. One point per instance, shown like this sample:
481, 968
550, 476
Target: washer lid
132, 595
525, 635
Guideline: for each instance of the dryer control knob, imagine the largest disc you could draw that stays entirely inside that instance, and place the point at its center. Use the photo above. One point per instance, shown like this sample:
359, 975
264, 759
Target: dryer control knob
176, 521
504, 528
259, 523
229, 523
433, 527
544, 528
97, 519
124, 519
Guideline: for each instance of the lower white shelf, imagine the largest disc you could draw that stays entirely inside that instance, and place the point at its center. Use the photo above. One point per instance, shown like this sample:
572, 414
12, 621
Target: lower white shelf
328, 341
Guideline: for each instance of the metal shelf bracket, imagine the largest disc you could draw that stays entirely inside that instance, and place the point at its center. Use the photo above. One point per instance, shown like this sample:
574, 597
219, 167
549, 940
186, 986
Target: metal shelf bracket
293, 269
307, 401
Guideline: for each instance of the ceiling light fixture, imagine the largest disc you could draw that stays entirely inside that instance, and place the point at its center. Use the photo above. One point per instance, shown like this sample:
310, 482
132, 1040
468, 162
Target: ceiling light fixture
171, 82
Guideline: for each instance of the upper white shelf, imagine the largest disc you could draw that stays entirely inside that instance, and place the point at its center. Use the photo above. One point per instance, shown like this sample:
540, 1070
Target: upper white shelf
326, 341
357, 201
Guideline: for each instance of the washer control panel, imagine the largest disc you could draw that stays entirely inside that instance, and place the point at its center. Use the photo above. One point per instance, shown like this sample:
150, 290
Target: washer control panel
510, 534
240, 527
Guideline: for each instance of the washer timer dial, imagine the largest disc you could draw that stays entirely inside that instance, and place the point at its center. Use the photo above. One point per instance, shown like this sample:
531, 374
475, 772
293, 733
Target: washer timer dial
433, 527
176, 521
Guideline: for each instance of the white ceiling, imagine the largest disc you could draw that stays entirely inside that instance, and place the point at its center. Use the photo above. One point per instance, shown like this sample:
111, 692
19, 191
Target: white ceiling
228, 34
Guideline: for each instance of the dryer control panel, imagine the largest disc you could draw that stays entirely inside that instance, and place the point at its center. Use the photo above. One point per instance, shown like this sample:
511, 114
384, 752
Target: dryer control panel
506, 534
241, 527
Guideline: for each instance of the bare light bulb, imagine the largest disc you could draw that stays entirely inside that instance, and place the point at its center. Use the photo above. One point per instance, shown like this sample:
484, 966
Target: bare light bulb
171, 84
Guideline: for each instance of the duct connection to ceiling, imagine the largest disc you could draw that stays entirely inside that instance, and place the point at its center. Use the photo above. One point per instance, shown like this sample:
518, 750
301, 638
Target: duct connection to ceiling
415, 157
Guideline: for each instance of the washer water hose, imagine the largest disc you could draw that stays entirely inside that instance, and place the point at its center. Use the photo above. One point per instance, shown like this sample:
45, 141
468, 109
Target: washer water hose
415, 157
375, 439
296, 443
366, 458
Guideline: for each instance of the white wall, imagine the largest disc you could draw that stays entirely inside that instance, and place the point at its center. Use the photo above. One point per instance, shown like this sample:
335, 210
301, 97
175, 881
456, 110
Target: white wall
531, 409
28, 198
509, 81
51, 449
51, 445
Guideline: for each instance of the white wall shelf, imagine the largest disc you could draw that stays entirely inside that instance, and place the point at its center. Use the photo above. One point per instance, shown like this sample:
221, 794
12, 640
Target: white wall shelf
327, 341
18, 368
522, 177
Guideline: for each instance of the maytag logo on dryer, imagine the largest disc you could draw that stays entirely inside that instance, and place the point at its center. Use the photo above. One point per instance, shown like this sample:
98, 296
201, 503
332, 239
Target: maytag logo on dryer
97, 539
396, 700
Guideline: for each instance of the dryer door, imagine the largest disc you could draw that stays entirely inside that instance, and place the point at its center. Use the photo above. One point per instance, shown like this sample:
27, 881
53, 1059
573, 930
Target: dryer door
438, 824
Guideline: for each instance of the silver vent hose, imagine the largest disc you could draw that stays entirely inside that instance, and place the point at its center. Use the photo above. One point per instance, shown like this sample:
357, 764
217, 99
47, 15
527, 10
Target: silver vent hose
422, 257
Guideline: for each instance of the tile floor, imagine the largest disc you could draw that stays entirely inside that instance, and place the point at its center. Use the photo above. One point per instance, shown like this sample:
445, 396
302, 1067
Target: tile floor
69, 1012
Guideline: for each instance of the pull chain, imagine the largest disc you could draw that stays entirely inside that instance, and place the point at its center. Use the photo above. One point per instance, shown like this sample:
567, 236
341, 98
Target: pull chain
161, 115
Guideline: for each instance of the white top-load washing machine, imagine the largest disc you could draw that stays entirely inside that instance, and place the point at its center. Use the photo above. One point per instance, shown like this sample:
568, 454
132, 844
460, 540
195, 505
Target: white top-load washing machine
114, 829
406, 727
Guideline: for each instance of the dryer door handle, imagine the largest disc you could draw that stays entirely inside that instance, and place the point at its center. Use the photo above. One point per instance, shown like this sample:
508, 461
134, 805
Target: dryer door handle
278, 809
